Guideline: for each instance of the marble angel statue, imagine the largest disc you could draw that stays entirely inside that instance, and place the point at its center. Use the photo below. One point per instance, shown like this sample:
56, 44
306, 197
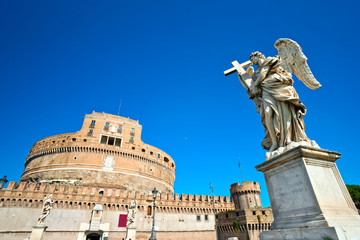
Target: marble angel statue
47, 206
271, 88
131, 216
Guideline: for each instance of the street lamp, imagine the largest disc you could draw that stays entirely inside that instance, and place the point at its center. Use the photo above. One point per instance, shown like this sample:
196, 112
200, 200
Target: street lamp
153, 233
3, 181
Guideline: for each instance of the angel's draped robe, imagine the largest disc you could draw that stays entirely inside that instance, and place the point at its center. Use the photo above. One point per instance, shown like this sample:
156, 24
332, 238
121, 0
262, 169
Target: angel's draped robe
278, 91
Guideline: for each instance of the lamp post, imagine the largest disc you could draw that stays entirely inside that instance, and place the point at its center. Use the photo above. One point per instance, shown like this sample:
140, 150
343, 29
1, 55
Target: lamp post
3, 181
153, 233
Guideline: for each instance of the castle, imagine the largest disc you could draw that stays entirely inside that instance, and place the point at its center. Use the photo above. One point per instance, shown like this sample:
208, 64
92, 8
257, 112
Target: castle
93, 175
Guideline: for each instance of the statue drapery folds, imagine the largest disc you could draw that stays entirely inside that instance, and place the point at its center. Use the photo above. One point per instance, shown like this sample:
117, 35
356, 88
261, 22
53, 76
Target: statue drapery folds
271, 88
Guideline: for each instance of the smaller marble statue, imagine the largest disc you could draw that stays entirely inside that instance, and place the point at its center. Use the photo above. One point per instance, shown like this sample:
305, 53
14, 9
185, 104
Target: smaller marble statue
47, 206
131, 217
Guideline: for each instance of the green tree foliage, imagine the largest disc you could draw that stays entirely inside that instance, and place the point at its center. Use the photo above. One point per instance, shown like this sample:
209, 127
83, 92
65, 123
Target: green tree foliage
354, 191
236, 225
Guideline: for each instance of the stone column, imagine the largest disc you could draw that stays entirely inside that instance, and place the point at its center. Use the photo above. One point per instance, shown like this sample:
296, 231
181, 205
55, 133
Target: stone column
308, 197
37, 232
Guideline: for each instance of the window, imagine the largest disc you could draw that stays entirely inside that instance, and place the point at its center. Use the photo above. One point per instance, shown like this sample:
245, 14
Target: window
151, 153
107, 125
143, 150
112, 141
237, 214
74, 139
254, 213
166, 159
92, 123
132, 132
198, 218
263, 213
85, 140
90, 133
101, 193
206, 217
53, 142
133, 148
74, 158
216, 216
149, 210
120, 129
226, 216
103, 140
159, 155
131, 140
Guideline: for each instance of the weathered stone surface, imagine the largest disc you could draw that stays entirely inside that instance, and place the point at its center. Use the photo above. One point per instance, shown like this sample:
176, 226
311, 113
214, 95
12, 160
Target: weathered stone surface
308, 196
37, 232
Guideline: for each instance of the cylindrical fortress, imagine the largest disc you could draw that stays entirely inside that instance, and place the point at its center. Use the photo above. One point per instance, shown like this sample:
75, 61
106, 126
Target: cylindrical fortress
107, 152
246, 196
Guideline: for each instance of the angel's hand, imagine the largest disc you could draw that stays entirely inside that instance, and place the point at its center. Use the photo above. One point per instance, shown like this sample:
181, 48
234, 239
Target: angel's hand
253, 92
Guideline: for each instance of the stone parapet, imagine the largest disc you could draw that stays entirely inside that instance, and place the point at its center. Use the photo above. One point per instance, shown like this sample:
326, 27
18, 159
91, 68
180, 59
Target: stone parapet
74, 197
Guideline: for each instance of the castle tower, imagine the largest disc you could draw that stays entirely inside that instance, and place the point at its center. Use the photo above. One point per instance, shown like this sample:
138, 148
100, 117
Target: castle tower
246, 196
107, 153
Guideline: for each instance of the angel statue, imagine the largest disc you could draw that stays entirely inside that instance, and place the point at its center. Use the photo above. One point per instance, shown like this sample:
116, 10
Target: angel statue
271, 89
131, 216
47, 206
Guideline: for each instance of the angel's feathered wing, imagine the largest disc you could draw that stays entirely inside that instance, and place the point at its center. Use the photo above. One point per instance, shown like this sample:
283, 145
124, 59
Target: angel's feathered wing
294, 61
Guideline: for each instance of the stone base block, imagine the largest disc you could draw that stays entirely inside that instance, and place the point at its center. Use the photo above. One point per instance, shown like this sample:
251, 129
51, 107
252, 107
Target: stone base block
130, 234
308, 197
37, 232
334, 233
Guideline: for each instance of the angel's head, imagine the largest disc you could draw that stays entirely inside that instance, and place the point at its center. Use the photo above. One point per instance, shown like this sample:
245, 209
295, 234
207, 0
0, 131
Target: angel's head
256, 58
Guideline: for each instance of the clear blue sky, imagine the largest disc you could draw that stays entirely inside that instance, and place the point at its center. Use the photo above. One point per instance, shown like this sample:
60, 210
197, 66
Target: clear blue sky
60, 60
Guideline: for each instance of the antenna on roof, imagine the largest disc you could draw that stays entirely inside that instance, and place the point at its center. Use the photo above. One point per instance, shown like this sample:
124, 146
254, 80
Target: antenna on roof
242, 176
119, 107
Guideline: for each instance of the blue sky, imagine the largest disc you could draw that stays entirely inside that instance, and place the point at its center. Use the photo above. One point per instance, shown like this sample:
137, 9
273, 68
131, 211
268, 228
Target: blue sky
60, 60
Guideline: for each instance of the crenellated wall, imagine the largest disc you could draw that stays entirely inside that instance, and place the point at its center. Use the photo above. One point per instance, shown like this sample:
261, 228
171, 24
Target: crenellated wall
180, 216
73, 197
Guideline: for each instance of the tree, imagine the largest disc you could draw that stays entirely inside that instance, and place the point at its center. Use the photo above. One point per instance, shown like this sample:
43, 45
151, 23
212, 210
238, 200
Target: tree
354, 191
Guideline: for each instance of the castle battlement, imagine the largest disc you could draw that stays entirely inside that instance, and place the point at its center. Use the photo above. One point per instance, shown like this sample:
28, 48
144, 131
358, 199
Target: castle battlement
25, 194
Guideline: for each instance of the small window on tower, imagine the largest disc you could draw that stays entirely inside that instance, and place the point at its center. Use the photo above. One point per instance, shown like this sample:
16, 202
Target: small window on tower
159, 155
131, 139
120, 129
107, 125
132, 132
92, 123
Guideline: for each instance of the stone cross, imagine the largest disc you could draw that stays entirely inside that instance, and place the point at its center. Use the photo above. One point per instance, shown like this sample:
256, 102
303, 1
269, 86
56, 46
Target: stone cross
244, 78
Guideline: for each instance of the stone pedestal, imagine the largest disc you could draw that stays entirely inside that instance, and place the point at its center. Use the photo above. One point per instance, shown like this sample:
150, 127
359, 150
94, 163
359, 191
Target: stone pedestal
130, 233
308, 197
37, 232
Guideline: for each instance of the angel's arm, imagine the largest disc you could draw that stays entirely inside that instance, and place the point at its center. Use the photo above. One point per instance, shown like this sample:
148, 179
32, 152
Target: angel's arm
260, 77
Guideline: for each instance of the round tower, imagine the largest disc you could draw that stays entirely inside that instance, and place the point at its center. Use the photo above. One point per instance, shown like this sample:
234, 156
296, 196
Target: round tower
107, 152
246, 196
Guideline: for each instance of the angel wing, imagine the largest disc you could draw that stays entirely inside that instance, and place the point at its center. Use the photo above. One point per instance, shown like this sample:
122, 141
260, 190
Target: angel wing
294, 61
